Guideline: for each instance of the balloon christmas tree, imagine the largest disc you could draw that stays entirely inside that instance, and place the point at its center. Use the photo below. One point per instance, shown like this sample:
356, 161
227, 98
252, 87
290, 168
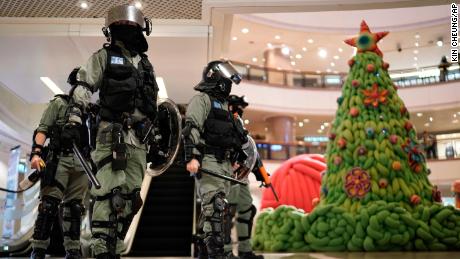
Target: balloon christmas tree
375, 194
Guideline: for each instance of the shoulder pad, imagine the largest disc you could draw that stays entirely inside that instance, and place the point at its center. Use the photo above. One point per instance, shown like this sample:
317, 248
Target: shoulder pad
64, 97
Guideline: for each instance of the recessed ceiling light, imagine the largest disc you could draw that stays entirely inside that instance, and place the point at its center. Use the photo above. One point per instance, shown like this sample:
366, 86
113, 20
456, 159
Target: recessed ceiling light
310, 41
439, 43
51, 85
293, 63
245, 30
84, 4
415, 51
300, 124
266, 129
254, 59
322, 53
417, 36
304, 49
298, 56
427, 124
455, 115
419, 114
322, 127
277, 37
415, 58
306, 120
455, 121
340, 50
332, 64
416, 44
336, 57
246, 121
235, 38
328, 70
138, 4
285, 51
320, 131
278, 68
326, 124
431, 118
269, 45
318, 72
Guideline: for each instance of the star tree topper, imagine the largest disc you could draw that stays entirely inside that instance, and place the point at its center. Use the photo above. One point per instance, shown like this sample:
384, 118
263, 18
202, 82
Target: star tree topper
367, 40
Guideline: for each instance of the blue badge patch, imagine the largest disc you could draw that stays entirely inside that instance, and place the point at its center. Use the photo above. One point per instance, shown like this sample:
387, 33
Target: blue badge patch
217, 105
117, 60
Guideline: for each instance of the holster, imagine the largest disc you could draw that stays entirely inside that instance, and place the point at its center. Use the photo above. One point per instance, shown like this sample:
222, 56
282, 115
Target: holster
119, 148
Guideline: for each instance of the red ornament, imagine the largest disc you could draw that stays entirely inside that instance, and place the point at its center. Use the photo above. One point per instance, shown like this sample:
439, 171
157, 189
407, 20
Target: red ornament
383, 183
354, 111
396, 165
342, 143
370, 68
332, 136
337, 160
373, 37
415, 199
393, 139
403, 110
351, 62
418, 168
395, 87
408, 125
385, 65
355, 83
362, 151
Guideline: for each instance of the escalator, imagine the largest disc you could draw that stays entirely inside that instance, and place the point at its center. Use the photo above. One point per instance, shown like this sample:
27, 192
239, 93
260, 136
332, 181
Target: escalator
166, 223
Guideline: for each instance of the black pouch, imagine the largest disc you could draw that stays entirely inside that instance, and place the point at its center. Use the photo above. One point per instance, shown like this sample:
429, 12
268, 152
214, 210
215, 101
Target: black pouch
49, 174
119, 155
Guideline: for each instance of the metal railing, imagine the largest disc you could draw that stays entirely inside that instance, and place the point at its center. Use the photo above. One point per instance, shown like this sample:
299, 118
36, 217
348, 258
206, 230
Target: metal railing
307, 79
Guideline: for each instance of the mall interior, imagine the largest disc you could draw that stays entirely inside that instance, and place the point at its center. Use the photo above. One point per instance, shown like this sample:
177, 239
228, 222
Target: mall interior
347, 131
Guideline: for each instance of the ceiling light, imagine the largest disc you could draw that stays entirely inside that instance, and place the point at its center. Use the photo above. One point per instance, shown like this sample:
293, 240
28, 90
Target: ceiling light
246, 121
322, 127
234, 38
455, 115
51, 85
304, 49
455, 121
277, 37
415, 64
415, 58
332, 64
431, 119
427, 124
278, 68
138, 4
245, 30
318, 72
326, 124
415, 51
336, 57
306, 120
298, 56
340, 50
419, 114
417, 36
300, 124
322, 53
266, 129
439, 42
291, 57
84, 4
310, 41
293, 63
254, 59
328, 70
285, 51
320, 131
416, 44
248, 66
269, 45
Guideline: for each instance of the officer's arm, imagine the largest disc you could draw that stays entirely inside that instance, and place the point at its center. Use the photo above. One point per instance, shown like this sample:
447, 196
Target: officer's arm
197, 112
40, 134
89, 79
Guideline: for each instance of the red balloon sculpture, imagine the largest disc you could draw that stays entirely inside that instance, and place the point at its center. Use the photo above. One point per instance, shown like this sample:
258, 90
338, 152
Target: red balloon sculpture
297, 182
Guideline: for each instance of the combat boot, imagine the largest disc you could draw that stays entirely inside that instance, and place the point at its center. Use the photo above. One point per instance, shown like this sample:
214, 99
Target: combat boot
72, 254
230, 255
107, 256
249, 255
38, 253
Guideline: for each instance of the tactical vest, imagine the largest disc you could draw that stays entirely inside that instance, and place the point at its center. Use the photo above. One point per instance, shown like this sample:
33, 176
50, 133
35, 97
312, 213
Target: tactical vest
220, 128
125, 88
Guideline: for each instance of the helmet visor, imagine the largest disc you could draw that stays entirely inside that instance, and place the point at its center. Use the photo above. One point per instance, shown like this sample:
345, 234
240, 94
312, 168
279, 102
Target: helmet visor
227, 70
125, 13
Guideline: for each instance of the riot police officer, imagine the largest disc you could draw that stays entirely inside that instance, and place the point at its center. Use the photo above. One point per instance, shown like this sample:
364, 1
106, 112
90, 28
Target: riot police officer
62, 179
212, 138
128, 91
240, 199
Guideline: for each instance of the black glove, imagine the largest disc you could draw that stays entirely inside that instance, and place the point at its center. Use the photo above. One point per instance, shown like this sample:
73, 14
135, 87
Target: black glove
70, 134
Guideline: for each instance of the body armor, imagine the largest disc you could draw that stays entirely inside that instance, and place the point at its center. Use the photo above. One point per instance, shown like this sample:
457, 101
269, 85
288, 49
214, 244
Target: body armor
125, 88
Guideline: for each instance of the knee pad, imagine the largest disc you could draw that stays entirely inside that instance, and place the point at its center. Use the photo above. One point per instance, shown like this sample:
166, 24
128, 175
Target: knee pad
47, 213
136, 204
248, 221
117, 201
76, 211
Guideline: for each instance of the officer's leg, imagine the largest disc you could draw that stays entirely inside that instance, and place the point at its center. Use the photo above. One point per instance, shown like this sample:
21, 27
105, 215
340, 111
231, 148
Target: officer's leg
246, 214
232, 199
50, 198
72, 212
213, 207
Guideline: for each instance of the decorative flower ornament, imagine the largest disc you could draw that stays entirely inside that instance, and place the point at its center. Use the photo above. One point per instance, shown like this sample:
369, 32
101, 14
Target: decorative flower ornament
357, 183
374, 96
415, 156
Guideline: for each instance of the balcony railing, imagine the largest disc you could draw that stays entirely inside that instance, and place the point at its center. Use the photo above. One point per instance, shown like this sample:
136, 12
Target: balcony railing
306, 79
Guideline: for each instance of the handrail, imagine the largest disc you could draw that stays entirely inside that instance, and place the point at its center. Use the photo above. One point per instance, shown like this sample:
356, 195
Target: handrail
307, 79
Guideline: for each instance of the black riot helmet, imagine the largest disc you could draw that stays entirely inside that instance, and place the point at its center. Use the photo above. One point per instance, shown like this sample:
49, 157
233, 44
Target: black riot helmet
218, 77
237, 104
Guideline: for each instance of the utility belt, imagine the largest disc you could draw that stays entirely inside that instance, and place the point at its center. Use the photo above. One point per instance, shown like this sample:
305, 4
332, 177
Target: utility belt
221, 154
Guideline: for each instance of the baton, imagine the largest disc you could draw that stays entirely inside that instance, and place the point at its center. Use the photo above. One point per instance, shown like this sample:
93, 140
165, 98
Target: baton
86, 167
224, 177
